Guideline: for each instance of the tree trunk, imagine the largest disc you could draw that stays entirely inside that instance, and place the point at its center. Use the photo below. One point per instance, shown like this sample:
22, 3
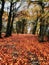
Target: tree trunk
34, 30
23, 25
1, 14
11, 27
9, 22
42, 31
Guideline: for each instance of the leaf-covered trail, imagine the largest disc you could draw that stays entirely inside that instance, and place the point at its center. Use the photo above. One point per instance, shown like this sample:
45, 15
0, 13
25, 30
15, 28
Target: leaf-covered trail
22, 49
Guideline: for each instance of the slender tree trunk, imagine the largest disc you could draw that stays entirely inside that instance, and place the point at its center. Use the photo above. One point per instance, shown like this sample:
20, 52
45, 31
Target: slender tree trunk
23, 25
34, 30
11, 27
1, 14
41, 33
9, 22
42, 30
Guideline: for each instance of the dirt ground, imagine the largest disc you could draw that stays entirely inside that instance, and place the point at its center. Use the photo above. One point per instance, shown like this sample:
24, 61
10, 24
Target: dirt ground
23, 49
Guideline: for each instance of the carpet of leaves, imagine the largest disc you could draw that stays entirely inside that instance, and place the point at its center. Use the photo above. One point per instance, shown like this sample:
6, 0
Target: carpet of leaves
22, 49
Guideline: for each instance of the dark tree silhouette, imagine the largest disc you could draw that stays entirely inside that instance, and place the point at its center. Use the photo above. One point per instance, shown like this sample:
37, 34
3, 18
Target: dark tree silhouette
14, 13
42, 25
23, 25
19, 27
11, 16
41, 33
1, 14
9, 21
11, 27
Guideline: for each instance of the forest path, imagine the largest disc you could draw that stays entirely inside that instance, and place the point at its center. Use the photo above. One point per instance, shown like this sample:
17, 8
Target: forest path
23, 49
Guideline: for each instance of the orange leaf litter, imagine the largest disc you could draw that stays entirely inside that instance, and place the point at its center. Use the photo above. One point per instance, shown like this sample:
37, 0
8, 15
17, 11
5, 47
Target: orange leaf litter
21, 49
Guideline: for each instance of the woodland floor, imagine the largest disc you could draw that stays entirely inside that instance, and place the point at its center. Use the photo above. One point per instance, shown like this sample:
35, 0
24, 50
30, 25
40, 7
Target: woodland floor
22, 49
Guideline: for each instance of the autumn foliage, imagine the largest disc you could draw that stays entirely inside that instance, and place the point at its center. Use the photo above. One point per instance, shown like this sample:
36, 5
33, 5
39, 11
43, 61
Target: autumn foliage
22, 49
